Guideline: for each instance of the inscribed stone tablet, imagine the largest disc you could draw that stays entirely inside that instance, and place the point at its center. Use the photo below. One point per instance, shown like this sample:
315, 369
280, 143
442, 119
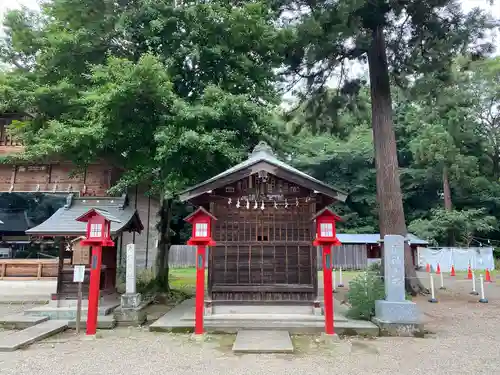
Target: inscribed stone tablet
394, 268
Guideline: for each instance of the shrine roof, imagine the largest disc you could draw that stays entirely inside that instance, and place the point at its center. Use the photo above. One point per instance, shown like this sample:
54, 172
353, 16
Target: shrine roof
261, 156
63, 221
14, 221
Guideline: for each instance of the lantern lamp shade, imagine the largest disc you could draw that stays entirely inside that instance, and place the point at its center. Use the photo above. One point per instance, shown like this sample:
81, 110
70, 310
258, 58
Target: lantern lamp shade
98, 227
325, 227
201, 220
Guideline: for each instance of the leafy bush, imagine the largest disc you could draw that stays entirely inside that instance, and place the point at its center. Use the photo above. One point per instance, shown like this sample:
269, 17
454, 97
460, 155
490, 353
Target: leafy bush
375, 267
364, 290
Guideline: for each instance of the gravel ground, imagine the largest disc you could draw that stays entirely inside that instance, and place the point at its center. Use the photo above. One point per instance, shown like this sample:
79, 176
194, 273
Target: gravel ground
463, 340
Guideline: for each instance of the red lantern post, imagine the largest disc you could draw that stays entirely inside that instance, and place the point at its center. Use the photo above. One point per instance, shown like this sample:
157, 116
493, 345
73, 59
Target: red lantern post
326, 237
201, 220
98, 235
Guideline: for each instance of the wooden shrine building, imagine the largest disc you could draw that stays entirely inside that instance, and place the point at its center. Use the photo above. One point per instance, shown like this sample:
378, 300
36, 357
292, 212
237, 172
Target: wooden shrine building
264, 230
62, 225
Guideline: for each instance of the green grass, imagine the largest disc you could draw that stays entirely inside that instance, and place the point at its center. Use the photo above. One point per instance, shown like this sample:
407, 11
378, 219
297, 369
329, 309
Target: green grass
185, 278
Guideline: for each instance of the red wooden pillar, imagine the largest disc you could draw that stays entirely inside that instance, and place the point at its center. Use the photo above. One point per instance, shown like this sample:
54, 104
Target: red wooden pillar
328, 288
94, 292
200, 289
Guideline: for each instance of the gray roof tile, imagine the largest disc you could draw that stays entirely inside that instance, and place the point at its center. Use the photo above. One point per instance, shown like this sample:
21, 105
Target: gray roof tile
262, 152
63, 221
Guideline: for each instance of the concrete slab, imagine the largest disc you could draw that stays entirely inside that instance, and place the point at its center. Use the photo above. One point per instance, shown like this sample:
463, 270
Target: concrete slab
263, 342
21, 291
268, 317
68, 312
262, 309
20, 321
10, 341
172, 320
103, 322
181, 319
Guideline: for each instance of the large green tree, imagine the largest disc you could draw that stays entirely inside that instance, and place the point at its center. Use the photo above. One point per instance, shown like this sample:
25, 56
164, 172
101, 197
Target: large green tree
171, 93
402, 38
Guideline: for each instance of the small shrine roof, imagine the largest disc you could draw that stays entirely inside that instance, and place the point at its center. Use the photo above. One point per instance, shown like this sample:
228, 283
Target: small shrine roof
262, 156
63, 221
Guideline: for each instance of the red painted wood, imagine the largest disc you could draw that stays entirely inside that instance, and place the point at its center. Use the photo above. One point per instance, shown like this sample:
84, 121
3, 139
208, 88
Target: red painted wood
95, 276
328, 288
200, 289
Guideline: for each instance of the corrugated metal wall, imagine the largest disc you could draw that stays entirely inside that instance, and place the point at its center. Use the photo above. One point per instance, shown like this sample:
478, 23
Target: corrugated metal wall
349, 257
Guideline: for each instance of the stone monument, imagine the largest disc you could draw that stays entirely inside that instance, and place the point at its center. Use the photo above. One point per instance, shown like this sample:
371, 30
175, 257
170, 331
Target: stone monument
131, 298
395, 315
132, 310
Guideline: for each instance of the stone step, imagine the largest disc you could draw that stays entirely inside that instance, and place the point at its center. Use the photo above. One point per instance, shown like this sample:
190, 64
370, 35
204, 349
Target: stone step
103, 322
349, 328
67, 312
263, 342
262, 309
268, 317
20, 321
13, 340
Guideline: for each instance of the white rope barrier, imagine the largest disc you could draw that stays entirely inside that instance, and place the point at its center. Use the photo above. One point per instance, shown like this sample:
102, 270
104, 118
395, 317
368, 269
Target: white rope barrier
341, 284
433, 296
334, 281
474, 291
442, 287
483, 299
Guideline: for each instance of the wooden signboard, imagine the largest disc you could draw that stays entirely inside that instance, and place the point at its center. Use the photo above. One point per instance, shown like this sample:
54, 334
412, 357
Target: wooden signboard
81, 254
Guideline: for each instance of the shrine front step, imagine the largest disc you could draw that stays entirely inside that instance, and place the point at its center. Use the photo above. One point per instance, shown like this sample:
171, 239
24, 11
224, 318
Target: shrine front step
13, 340
21, 321
264, 341
103, 322
242, 309
69, 312
348, 328
269, 317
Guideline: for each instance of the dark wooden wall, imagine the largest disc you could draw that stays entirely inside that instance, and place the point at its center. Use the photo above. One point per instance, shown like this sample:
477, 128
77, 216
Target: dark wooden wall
262, 254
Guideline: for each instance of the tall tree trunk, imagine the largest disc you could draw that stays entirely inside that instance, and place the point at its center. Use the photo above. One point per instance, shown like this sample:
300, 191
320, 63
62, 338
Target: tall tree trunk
161, 264
496, 164
446, 190
389, 196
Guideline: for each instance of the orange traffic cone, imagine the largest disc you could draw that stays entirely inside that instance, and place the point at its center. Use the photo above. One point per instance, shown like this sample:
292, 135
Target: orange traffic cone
452, 273
469, 273
428, 268
438, 270
487, 276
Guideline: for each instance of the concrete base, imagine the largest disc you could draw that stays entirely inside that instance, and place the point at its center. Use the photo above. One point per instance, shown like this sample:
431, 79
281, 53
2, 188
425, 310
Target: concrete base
329, 339
397, 312
399, 329
20, 321
68, 311
263, 342
131, 300
181, 319
199, 338
131, 316
10, 341
103, 322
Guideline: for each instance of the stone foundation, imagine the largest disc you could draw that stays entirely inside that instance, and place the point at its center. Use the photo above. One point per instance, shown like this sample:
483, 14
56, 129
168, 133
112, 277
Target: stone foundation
134, 316
399, 329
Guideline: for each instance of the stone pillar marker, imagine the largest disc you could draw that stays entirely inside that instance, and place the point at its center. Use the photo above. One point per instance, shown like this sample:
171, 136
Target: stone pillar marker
131, 299
395, 315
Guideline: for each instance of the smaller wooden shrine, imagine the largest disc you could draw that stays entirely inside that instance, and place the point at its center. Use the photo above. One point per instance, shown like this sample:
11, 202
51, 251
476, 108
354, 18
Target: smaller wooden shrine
264, 230
64, 227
